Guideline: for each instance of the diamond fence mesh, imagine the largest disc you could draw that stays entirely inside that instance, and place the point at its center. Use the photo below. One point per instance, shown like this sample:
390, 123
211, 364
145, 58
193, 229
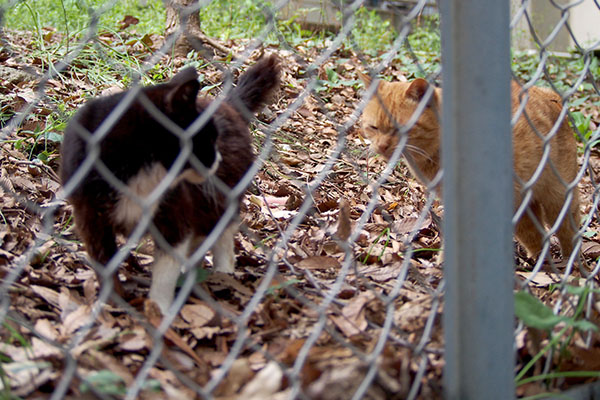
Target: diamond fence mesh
337, 291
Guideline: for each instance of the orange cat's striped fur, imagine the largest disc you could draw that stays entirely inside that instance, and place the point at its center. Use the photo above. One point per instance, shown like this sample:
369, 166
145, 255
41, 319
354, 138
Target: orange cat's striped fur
422, 151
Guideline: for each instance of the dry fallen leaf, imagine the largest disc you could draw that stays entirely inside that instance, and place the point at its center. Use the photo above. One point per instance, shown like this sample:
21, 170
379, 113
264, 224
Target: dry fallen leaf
238, 375
76, 319
152, 312
264, 384
353, 321
197, 315
319, 262
344, 228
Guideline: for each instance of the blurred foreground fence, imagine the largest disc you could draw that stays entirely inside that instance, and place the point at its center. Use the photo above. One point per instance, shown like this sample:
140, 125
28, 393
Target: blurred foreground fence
338, 291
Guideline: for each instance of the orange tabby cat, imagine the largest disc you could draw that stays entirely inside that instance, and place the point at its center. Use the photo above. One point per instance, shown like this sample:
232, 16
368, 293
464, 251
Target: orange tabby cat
422, 151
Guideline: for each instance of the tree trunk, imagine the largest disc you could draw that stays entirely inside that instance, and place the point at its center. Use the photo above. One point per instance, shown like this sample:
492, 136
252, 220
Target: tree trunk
184, 23
183, 20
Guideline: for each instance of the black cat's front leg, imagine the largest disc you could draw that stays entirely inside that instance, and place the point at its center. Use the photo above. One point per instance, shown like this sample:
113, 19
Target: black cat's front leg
99, 239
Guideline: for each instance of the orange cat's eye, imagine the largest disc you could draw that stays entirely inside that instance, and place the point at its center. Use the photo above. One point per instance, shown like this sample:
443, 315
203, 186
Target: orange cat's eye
373, 127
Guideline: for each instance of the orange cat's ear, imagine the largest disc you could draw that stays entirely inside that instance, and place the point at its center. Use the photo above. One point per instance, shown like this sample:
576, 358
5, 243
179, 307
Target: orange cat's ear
417, 89
365, 78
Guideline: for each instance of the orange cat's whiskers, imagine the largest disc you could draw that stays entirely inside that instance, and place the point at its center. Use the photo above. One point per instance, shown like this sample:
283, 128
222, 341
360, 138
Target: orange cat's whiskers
419, 151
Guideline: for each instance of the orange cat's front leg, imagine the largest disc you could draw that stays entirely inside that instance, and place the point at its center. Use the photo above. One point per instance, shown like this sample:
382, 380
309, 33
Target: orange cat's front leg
527, 232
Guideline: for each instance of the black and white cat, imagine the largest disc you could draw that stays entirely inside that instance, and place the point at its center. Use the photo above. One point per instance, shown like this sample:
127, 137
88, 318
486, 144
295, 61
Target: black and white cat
140, 147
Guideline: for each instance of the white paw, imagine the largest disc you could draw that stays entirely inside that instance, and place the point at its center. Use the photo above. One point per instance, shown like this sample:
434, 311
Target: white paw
223, 251
165, 272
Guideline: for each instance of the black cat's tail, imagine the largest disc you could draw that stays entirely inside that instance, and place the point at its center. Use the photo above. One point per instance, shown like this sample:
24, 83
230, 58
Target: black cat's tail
256, 86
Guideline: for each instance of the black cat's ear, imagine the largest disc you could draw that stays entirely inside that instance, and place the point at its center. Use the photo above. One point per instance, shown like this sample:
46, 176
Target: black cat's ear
185, 75
417, 89
184, 90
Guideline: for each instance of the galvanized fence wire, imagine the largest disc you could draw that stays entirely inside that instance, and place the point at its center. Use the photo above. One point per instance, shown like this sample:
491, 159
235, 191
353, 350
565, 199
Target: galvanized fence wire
579, 264
585, 76
348, 332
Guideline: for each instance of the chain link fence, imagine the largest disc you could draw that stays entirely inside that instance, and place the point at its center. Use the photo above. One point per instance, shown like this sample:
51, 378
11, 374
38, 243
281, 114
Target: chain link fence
338, 288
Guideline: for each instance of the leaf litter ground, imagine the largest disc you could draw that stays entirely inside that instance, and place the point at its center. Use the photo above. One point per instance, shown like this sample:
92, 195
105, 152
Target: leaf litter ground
52, 296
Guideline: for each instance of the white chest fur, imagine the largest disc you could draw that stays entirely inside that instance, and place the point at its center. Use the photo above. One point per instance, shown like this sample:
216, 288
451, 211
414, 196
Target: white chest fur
167, 264
129, 210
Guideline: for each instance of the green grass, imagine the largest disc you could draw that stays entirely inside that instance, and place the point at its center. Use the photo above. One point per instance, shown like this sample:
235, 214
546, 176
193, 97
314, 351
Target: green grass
371, 35
561, 71
537, 315
74, 16
55, 28
245, 19
14, 337
224, 19
109, 383
241, 19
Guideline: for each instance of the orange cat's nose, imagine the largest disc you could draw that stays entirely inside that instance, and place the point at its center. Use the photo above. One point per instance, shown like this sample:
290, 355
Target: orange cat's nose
383, 144
385, 148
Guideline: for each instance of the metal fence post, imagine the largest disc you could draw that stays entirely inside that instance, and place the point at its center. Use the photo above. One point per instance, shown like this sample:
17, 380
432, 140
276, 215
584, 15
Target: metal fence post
477, 160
